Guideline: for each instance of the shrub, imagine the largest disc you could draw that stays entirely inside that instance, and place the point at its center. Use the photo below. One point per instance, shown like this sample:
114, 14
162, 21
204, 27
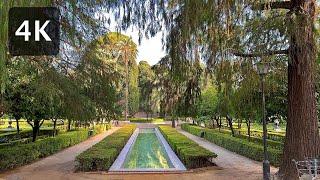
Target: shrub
101, 156
25, 153
258, 134
101, 128
189, 152
239, 145
20, 141
143, 120
12, 136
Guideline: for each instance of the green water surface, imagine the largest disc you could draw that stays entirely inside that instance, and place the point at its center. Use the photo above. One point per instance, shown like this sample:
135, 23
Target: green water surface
147, 152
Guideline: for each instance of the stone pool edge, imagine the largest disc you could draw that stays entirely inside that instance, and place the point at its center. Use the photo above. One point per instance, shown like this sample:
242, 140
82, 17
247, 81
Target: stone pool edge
116, 166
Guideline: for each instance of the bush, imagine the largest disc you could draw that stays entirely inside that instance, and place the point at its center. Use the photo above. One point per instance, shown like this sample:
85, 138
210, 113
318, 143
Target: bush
19, 155
101, 128
20, 141
243, 135
143, 120
189, 152
258, 134
239, 145
101, 156
12, 136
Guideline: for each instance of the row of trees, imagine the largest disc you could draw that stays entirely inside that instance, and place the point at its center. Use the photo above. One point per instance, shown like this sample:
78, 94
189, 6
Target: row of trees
247, 29
38, 90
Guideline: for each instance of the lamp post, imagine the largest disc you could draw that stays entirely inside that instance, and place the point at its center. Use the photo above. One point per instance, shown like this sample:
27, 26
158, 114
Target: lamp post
262, 69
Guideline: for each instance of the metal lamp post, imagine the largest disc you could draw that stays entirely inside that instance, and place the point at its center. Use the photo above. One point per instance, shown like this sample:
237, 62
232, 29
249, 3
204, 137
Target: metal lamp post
262, 69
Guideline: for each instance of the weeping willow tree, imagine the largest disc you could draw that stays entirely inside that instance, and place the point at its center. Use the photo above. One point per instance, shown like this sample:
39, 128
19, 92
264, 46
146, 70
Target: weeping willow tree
81, 22
245, 28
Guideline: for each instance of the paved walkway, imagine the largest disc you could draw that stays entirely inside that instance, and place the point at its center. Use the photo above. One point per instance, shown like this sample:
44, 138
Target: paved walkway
56, 166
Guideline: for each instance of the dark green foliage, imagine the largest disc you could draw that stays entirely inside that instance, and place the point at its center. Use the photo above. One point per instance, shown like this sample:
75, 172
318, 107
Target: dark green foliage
238, 145
101, 156
19, 155
150, 120
190, 153
12, 136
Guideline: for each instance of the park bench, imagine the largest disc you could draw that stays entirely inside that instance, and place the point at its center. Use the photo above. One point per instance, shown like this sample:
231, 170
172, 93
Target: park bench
308, 169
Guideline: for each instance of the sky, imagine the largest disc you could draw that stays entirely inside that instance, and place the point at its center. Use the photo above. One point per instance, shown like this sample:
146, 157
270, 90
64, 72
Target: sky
149, 50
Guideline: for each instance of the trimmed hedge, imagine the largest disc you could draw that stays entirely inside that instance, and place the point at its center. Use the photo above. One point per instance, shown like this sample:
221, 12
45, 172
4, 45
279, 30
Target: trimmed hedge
142, 120
99, 128
238, 145
101, 156
12, 136
11, 157
189, 152
271, 143
256, 133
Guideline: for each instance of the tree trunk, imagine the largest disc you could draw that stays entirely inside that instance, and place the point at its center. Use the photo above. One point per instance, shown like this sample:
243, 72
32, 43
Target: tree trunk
302, 134
173, 123
219, 121
54, 126
18, 128
248, 122
69, 124
35, 130
229, 119
239, 123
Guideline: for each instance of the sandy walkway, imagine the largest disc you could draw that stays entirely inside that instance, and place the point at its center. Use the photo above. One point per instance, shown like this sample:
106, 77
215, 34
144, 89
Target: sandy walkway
61, 166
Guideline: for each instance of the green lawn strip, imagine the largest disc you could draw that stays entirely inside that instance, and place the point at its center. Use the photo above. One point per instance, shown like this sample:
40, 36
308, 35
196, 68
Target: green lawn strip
242, 146
189, 152
144, 120
101, 156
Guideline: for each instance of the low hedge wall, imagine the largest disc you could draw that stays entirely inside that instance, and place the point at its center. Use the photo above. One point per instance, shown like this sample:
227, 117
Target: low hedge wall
12, 136
144, 120
256, 133
272, 143
101, 156
239, 145
99, 128
189, 152
19, 155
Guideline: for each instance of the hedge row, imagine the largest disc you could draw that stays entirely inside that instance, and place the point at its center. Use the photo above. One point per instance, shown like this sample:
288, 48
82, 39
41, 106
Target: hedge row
101, 156
189, 152
12, 136
101, 128
239, 145
143, 120
271, 143
19, 155
258, 134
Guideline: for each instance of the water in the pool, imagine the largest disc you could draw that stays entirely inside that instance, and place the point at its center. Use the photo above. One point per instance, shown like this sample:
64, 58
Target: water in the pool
147, 152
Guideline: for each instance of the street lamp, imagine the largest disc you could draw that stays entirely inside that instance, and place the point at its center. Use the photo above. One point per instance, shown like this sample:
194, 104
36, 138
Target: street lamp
262, 69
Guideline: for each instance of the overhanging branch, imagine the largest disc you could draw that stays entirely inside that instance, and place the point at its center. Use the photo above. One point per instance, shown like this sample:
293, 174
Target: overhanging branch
260, 54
